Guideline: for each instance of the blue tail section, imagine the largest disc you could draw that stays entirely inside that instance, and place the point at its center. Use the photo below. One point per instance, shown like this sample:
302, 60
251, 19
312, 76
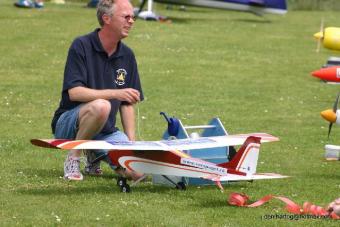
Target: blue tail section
275, 4
270, 5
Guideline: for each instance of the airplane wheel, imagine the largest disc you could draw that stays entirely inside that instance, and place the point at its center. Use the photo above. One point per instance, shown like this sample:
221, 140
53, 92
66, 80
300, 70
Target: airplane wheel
125, 188
121, 181
181, 186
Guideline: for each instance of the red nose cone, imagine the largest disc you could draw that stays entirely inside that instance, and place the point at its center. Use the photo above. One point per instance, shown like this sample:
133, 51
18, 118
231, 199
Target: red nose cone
317, 74
331, 74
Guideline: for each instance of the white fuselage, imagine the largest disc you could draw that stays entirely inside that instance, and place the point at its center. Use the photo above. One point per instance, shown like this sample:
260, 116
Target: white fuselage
196, 169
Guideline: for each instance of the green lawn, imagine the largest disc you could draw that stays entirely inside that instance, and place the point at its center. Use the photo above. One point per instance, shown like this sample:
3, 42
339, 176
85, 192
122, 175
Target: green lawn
251, 72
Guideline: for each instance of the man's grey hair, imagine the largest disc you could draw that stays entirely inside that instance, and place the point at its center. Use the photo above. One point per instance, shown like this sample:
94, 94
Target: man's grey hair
104, 7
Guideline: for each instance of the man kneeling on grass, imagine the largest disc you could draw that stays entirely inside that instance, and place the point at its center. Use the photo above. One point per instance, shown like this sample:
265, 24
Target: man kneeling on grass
100, 79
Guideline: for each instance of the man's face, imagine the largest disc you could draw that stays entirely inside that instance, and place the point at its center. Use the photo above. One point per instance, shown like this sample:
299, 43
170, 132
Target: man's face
122, 19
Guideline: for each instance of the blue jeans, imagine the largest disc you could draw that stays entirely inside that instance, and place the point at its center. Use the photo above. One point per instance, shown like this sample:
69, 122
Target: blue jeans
67, 128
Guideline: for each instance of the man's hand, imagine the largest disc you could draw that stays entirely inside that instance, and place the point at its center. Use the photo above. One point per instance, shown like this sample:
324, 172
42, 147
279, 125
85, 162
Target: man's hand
129, 95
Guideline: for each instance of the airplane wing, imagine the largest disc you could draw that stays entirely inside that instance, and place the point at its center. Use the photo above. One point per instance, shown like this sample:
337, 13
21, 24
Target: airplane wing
216, 141
98, 144
180, 144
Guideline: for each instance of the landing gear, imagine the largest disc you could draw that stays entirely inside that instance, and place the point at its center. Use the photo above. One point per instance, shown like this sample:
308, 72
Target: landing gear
124, 187
181, 186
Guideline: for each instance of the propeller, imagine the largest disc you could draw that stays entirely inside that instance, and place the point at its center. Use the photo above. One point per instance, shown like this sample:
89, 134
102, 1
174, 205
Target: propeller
320, 35
330, 115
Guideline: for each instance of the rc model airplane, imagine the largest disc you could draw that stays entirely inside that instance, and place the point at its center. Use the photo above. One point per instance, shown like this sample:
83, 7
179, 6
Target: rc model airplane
167, 158
330, 74
329, 37
332, 115
258, 7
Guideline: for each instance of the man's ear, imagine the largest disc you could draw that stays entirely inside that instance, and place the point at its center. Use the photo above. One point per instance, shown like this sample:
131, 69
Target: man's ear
106, 18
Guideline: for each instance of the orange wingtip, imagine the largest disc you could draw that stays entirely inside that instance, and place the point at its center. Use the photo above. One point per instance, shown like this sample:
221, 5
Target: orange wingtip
329, 115
43, 143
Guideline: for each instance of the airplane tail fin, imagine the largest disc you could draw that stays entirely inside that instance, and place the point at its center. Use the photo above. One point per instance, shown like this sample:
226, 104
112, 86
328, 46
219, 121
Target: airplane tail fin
246, 158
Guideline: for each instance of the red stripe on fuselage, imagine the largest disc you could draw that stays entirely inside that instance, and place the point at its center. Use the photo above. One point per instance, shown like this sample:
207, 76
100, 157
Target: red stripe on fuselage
160, 156
233, 171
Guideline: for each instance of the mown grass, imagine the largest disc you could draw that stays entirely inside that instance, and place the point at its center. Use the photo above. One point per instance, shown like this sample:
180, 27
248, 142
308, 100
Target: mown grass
251, 72
314, 4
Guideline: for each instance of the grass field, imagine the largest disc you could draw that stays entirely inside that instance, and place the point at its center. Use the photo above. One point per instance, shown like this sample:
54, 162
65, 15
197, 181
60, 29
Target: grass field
251, 72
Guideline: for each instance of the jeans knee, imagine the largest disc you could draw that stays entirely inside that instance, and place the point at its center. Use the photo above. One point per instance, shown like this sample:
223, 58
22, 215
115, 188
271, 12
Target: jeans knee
100, 109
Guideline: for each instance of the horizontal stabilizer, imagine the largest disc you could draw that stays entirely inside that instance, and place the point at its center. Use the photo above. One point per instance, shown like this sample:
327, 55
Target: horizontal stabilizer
257, 176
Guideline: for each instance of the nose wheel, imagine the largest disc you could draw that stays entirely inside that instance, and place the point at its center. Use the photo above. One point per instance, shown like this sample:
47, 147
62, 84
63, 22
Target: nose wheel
124, 187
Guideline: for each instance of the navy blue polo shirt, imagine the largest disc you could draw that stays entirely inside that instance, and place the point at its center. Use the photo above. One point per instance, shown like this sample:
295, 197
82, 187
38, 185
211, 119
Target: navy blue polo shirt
88, 65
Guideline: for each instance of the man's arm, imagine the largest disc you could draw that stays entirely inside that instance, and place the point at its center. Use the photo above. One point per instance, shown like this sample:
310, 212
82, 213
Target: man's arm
127, 116
83, 94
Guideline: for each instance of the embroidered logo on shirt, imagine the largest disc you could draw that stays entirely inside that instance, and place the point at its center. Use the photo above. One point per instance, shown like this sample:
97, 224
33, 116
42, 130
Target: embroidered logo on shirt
120, 77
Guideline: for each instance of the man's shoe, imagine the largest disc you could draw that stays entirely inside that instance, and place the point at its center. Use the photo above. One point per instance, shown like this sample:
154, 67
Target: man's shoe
92, 168
72, 168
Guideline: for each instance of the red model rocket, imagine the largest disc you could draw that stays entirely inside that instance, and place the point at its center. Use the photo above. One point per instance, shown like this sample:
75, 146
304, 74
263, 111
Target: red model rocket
330, 74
